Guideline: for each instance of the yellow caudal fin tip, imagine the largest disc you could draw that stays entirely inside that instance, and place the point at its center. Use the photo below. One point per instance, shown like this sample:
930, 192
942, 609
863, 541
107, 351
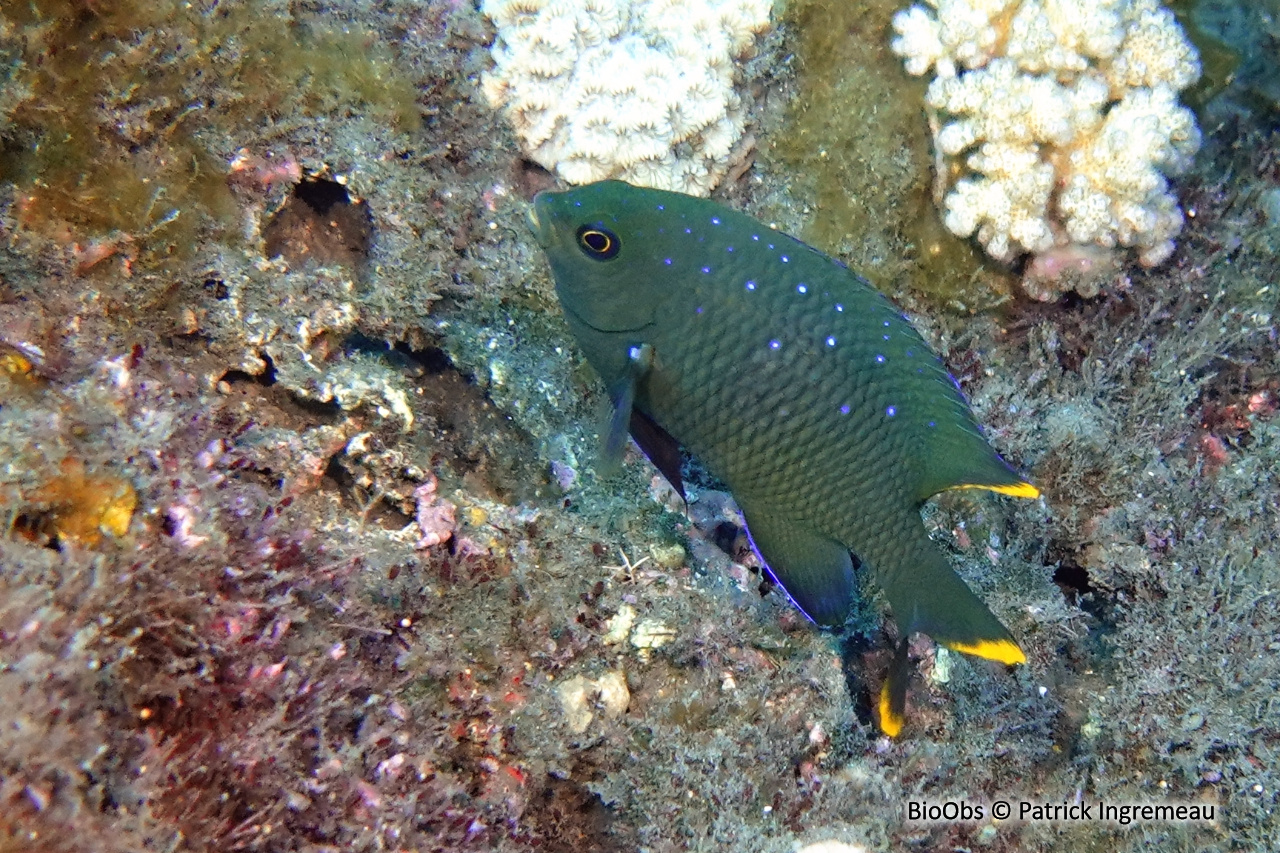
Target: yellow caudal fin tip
1021, 490
1005, 651
890, 721
1017, 490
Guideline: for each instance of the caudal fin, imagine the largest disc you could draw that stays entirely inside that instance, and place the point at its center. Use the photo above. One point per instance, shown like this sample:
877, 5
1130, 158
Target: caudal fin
892, 706
928, 596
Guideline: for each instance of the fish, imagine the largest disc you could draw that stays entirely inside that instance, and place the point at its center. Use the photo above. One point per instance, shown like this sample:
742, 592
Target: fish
797, 384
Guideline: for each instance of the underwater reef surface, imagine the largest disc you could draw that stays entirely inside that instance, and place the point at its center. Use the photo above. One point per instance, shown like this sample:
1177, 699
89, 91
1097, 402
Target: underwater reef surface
305, 547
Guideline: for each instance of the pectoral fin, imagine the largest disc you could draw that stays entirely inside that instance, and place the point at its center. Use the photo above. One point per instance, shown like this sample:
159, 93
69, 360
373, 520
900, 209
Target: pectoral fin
623, 394
815, 570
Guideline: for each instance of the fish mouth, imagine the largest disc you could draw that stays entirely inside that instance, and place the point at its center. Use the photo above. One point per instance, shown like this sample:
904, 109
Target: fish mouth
605, 329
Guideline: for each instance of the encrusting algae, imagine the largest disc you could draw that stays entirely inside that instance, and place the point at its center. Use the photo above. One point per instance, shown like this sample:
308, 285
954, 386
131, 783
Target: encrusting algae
857, 144
78, 506
106, 140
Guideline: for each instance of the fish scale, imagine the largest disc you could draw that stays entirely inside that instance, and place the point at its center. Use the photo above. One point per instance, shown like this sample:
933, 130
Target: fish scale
796, 383
814, 429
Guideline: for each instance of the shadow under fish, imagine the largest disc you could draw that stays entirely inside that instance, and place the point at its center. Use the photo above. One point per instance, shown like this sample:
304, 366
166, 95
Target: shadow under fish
797, 384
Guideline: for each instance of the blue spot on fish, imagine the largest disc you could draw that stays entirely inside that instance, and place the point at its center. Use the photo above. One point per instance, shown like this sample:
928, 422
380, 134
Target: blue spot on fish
751, 285
839, 308
891, 411
801, 288
715, 220
844, 410
774, 344
831, 341
662, 207
667, 261
706, 269
879, 359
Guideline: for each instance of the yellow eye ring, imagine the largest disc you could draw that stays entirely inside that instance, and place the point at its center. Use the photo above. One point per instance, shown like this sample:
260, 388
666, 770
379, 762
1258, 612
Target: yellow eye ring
598, 243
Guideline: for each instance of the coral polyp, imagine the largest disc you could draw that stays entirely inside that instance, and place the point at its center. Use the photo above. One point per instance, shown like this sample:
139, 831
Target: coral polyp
1057, 123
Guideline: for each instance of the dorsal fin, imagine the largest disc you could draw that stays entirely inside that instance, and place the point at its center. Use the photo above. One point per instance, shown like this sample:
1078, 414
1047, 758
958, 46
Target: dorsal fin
954, 454
956, 457
950, 451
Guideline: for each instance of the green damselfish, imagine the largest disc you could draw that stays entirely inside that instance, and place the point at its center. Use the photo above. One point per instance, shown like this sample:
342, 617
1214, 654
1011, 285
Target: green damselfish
796, 383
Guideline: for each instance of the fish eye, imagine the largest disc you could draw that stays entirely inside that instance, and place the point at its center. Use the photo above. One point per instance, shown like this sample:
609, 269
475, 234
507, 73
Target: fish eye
599, 243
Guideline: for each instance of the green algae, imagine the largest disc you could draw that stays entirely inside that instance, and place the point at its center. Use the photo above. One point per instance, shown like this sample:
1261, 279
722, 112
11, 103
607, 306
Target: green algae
127, 109
1236, 41
858, 136
1219, 62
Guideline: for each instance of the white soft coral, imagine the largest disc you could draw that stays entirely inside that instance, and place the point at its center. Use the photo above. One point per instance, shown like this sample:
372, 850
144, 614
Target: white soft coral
1058, 119
642, 90
1115, 189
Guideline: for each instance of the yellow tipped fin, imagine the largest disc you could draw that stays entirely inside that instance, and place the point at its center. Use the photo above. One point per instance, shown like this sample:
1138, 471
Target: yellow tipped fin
1013, 490
893, 692
891, 719
1005, 651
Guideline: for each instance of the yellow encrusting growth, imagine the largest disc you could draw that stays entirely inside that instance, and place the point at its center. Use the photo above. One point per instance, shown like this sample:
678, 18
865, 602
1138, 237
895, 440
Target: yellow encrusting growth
1004, 651
79, 506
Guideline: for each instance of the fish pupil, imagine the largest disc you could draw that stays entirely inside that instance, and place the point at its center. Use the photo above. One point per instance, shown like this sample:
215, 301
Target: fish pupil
599, 243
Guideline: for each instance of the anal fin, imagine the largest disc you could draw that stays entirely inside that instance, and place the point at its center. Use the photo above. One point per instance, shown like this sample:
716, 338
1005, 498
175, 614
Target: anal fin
815, 570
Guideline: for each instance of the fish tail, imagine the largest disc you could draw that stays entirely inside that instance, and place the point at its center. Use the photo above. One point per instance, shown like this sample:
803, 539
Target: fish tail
928, 596
893, 691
